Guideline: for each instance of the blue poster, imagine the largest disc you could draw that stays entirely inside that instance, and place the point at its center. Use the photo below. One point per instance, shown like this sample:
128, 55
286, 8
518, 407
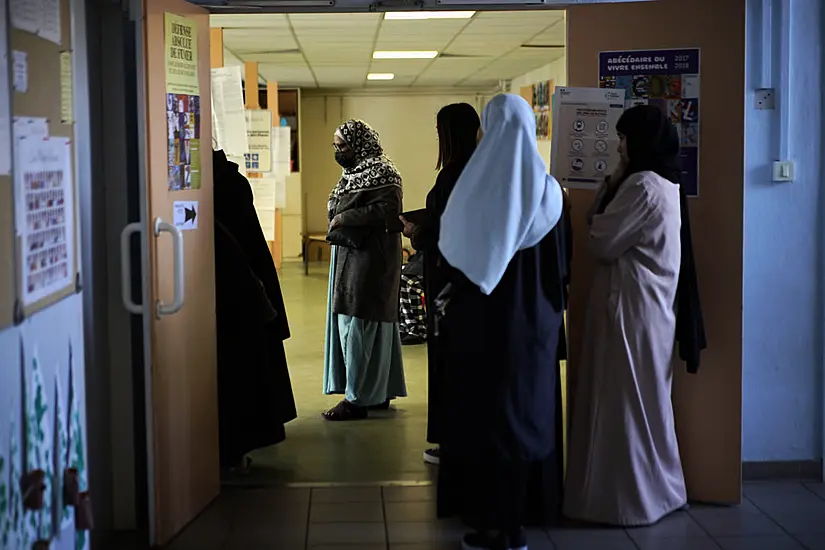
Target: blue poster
668, 79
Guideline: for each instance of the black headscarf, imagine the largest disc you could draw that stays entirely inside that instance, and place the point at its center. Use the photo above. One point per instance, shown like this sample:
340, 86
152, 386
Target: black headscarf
653, 145
458, 126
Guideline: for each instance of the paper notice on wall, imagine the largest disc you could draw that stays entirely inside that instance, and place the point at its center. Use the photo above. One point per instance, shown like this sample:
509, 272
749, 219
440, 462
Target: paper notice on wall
66, 89
51, 25
267, 220
46, 225
281, 148
229, 113
263, 192
26, 15
585, 142
30, 127
5, 101
259, 134
20, 71
280, 191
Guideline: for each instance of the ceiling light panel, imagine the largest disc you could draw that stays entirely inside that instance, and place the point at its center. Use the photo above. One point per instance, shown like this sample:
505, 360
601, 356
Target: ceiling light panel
427, 15
380, 76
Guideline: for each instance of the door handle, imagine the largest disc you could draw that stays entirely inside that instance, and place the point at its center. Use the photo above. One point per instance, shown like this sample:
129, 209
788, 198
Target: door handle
126, 268
162, 309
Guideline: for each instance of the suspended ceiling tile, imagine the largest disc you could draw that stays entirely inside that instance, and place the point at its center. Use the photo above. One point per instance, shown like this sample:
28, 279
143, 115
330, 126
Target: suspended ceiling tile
554, 35
240, 41
438, 80
338, 23
545, 55
440, 28
406, 43
287, 60
285, 75
275, 20
399, 67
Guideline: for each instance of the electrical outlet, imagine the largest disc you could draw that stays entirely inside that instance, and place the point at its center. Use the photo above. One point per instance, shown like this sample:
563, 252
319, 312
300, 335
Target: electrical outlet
765, 99
783, 171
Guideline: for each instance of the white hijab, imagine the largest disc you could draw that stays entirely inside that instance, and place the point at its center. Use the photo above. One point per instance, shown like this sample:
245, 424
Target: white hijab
504, 200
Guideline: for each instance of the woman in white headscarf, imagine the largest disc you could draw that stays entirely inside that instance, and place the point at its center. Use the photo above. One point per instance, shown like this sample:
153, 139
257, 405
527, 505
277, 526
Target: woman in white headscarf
501, 318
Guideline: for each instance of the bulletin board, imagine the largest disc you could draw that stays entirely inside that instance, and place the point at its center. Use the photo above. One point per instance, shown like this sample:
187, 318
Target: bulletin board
47, 96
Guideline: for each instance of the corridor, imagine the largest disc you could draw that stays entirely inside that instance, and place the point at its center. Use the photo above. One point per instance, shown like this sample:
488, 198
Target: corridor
773, 516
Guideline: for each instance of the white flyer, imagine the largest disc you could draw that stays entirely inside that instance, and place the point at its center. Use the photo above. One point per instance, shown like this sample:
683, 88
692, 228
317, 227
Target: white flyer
229, 114
20, 71
584, 149
259, 134
44, 194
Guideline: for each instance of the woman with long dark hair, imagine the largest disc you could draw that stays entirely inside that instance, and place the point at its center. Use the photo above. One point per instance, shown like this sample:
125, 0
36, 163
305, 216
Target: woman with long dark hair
624, 466
457, 126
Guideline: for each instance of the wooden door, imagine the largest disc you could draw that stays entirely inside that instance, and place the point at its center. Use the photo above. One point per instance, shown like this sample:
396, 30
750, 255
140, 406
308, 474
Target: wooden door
182, 387
708, 405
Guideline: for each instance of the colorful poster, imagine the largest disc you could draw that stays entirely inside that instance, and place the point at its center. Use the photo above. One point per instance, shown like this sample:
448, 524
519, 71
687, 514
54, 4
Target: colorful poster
668, 79
259, 137
183, 116
542, 108
46, 220
181, 55
584, 149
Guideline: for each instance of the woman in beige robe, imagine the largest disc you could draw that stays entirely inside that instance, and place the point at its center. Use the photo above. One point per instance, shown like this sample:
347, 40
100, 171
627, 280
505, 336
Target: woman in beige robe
623, 463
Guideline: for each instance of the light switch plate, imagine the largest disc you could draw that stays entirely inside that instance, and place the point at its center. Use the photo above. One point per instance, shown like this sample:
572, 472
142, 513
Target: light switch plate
783, 171
765, 99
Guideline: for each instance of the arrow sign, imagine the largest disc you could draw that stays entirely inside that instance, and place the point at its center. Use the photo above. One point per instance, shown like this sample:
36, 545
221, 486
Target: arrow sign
185, 215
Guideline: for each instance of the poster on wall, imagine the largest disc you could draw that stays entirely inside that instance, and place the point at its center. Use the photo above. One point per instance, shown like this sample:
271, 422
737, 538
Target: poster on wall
46, 216
183, 115
669, 80
183, 109
259, 134
584, 148
542, 94
228, 111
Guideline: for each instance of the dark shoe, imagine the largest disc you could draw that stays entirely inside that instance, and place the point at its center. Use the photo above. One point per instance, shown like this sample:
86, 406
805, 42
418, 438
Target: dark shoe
433, 456
385, 406
344, 412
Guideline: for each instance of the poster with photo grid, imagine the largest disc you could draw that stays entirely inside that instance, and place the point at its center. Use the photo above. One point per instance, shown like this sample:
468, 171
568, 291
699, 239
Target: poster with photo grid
670, 80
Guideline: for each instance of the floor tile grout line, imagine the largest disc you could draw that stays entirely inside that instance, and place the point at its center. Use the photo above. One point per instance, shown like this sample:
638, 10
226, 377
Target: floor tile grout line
817, 495
702, 527
384, 514
770, 517
309, 520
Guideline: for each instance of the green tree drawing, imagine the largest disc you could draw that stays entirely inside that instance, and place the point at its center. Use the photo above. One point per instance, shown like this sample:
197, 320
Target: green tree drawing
40, 449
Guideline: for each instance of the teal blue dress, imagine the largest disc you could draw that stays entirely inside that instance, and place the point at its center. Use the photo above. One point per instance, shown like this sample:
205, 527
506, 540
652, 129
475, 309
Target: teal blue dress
362, 359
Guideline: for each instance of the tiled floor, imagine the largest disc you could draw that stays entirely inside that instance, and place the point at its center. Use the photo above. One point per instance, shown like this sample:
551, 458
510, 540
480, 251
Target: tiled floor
773, 516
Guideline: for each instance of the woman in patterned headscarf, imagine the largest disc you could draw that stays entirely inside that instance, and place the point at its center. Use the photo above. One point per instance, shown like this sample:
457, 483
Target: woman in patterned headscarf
362, 359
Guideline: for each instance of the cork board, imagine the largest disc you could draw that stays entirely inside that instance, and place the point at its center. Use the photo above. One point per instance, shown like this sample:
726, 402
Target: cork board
42, 100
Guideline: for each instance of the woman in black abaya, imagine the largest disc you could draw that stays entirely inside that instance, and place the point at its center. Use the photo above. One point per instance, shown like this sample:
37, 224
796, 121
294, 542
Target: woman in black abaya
457, 127
255, 397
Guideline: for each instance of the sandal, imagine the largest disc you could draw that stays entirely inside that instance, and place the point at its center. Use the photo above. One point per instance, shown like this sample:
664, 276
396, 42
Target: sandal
344, 412
385, 406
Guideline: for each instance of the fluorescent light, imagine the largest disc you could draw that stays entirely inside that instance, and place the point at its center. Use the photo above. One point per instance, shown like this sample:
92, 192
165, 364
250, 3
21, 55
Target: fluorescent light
380, 76
419, 15
404, 55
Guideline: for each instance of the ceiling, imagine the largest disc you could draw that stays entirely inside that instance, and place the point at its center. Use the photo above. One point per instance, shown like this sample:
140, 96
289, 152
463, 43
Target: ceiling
335, 50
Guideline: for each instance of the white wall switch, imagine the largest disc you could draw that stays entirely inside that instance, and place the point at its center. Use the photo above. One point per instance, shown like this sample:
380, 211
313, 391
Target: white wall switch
783, 171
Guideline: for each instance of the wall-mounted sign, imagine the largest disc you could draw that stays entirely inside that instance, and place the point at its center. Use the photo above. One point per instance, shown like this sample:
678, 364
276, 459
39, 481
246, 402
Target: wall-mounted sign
668, 79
